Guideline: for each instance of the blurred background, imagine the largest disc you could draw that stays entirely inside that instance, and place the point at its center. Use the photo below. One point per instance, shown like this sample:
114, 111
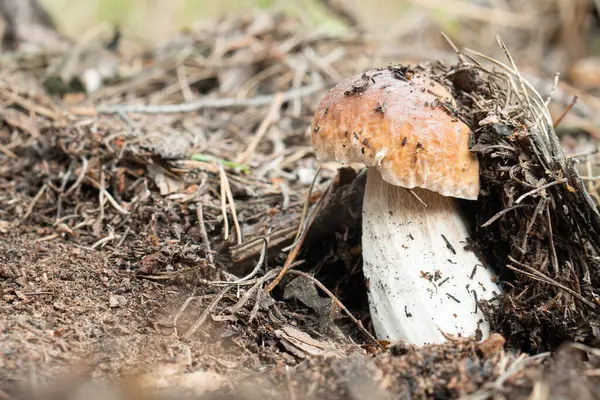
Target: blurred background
531, 24
547, 35
156, 19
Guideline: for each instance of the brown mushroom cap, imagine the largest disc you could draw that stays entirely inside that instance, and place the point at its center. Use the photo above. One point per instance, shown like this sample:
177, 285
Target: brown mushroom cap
397, 123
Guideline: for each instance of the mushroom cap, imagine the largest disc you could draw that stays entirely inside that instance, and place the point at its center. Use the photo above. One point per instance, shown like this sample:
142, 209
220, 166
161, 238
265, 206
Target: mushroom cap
397, 123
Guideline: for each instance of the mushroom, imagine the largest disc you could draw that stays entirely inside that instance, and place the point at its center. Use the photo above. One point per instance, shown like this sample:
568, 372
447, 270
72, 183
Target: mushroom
423, 283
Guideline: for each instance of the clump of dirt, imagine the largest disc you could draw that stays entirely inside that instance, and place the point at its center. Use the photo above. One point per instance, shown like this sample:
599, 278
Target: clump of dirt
531, 195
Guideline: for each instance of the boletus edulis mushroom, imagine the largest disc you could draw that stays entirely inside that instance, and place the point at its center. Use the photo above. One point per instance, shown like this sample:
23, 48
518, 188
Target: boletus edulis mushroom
423, 284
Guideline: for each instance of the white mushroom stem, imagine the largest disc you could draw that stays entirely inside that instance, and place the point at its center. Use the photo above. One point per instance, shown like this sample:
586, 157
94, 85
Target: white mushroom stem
421, 279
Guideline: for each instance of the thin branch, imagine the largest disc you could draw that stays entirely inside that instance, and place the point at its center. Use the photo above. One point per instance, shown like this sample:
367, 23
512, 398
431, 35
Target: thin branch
270, 118
583, 154
183, 307
501, 213
109, 197
34, 201
537, 275
200, 321
7, 152
459, 54
552, 89
204, 234
257, 267
257, 101
516, 70
84, 168
590, 178
97, 226
553, 257
104, 240
416, 196
294, 252
259, 282
306, 204
565, 111
222, 178
536, 190
259, 264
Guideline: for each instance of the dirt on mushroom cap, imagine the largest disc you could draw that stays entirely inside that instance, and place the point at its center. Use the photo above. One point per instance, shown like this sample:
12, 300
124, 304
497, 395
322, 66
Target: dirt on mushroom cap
400, 124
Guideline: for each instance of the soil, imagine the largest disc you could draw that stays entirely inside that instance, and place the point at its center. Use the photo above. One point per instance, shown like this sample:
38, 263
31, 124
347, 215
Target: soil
73, 325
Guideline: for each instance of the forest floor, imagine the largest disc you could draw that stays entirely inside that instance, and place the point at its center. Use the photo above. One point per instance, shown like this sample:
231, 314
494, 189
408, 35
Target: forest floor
137, 246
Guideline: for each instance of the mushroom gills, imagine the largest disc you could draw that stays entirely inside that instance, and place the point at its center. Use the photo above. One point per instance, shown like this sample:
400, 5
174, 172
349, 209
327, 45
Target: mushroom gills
420, 277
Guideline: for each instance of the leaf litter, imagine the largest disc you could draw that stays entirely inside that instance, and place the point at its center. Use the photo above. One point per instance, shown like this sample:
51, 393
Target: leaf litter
145, 229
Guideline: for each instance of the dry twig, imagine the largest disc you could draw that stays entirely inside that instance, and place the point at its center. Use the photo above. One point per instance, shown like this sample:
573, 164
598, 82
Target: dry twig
258, 101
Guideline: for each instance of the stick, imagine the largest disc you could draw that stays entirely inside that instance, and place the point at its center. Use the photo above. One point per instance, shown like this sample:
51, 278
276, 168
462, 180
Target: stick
553, 256
204, 235
590, 178
257, 101
299, 240
537, 275
7, 151
109, 197
306, 203
97, 227
204, 315
34, 201
552, 89
259, 264
103, 240
84, 167
540, 189
565, 112
270, 118
501, 213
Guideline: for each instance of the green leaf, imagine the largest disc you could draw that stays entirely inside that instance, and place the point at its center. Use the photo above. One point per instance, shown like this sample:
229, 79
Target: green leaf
245, 169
